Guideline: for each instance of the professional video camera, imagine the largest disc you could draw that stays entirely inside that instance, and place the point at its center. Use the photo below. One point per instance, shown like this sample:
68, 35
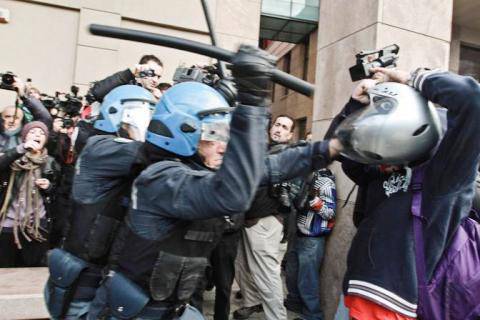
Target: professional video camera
7, 80
367, 59
68, 106
210, 76
205, 74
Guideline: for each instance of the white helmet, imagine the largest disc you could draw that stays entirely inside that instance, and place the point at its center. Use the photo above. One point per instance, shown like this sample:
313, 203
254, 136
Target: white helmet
398, 127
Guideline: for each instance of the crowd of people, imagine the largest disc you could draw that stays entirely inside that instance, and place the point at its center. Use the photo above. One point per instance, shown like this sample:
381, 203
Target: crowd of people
145, 195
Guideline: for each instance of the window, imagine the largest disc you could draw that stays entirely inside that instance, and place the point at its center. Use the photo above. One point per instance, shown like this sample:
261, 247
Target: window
469, 61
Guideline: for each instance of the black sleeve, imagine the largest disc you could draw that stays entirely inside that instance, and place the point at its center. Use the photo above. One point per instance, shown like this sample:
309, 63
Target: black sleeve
8, 157
101, 88
180, 193
351, 106
38, 110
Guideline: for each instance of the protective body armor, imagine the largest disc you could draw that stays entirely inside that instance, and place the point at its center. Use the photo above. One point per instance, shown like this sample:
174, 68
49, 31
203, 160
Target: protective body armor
170, 267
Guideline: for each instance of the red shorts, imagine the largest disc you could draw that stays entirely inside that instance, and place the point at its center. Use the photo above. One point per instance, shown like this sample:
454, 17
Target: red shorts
363, 309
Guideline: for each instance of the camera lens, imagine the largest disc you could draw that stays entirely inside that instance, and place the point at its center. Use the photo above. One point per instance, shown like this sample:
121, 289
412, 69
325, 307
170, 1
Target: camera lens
8, 79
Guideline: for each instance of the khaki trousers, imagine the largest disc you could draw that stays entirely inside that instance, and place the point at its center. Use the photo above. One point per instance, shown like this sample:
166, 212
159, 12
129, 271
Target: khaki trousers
258, 267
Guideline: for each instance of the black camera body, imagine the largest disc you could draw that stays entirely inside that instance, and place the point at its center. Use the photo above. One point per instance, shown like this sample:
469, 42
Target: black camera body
208, 75
385, 57
7, 80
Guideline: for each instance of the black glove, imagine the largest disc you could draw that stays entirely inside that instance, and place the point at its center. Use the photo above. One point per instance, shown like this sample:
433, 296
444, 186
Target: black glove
252, 69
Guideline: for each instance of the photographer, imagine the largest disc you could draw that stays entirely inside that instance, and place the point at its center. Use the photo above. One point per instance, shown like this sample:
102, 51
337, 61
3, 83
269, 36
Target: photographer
146, 73
13, 117
68, 137
27, 179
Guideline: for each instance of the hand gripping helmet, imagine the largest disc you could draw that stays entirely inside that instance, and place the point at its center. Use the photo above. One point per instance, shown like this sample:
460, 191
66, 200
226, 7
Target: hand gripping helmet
127, 104
187, 113
398, 127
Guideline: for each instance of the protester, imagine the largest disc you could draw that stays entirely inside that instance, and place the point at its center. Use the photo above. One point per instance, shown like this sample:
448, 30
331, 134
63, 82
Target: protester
13, 117
381, 278
28, 177
104, 172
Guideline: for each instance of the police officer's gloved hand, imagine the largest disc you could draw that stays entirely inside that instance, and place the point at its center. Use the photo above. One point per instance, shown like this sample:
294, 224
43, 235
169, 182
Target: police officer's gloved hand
252, 69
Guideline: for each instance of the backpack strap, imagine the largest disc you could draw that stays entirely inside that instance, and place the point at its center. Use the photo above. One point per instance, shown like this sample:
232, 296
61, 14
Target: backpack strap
418, 219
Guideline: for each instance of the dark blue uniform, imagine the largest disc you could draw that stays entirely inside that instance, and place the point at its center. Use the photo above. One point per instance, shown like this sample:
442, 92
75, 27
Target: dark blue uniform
171, 225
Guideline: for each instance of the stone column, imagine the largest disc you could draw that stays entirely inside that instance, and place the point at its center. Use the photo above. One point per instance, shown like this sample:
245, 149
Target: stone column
422, 29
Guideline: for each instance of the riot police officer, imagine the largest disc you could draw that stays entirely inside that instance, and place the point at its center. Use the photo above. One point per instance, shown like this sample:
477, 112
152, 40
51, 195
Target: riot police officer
103, 176
172, 221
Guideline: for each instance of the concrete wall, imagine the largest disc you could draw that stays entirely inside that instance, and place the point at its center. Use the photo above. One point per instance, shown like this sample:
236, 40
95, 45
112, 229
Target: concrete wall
371, 24
47, 40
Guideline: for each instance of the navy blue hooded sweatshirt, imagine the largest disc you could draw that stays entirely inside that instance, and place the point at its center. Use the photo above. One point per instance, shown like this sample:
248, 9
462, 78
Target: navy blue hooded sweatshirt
381, 261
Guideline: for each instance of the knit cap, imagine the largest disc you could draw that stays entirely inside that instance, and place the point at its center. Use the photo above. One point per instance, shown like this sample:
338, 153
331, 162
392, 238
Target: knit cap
32, 125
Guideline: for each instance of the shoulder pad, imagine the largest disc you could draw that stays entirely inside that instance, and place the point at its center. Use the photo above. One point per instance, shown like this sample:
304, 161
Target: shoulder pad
122, 140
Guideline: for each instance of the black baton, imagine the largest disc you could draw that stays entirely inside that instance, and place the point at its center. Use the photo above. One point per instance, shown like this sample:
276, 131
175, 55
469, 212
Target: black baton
279, 77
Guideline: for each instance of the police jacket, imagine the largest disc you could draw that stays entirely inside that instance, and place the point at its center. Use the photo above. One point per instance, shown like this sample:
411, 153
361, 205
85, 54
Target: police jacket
381, 261
168, 242
104, 173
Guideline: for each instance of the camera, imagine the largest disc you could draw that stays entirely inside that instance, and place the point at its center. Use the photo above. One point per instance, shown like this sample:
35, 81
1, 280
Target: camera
147, 73
367, 59
7, 80
208, 75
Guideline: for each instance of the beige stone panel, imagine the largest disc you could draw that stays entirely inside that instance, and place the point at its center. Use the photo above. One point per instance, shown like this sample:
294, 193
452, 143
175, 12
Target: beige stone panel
454, 63
432, 18
74, 4
340, 18
87, 17
334, 264
39, 43
130, 51
103, 5
232, 43
416, 50
94, 64
187, 14
238, 18
333, 85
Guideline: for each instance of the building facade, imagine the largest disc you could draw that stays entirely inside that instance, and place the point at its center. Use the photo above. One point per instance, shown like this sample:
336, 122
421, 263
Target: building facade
48, 40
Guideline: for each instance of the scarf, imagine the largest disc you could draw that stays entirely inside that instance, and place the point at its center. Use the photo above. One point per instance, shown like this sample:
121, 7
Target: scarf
12, 138
24, 172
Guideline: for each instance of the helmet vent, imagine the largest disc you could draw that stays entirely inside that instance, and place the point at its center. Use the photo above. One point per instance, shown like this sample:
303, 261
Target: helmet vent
112, 110
187, 128
420, 130
157, 127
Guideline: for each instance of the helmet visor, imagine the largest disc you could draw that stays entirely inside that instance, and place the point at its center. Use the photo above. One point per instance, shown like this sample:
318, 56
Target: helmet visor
216, 131
137, 115
357, 132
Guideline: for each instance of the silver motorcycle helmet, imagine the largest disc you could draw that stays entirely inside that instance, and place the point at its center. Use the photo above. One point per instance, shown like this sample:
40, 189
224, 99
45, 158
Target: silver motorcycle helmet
398, 127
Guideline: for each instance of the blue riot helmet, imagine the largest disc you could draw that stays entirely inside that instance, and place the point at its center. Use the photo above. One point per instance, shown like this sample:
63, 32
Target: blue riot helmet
129, 105
187, 113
